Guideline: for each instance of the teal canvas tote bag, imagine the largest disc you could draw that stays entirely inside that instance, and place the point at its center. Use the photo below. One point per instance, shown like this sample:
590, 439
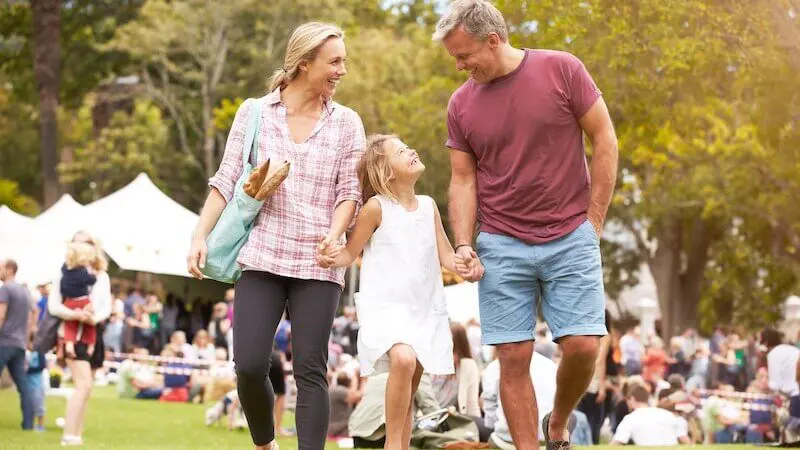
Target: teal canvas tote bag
234, 225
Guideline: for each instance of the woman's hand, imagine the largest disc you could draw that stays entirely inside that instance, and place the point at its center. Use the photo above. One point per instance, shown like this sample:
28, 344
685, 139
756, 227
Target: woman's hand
86, 317
197, 257
327, 251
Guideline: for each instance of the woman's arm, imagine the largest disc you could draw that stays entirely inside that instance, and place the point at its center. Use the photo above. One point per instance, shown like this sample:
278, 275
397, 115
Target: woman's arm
55, 305
212, 209
368, 221
101, 298
222, 186
348, 189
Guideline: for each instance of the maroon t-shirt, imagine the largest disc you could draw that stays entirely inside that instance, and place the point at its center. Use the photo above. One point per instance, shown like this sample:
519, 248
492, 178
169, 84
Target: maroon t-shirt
533, 181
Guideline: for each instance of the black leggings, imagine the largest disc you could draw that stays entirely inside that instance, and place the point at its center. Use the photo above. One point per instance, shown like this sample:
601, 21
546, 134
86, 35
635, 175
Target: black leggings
259, 303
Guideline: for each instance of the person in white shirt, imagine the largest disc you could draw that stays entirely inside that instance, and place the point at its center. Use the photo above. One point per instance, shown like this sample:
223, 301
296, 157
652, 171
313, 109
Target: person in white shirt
783, 367
649, 426
543, 375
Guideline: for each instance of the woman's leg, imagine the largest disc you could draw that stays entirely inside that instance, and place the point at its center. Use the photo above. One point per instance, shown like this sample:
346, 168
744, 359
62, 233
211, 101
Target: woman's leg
414, 386
76, 405
402, 368
312, 306
259, 303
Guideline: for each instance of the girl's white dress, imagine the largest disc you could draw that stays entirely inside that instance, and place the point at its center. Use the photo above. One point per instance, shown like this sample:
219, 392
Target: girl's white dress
401, 297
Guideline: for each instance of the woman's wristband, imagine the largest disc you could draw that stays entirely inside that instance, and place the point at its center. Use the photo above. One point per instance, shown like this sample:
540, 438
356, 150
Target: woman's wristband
461, 245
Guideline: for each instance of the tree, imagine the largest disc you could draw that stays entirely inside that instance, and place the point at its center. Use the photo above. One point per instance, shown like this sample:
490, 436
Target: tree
183, 48
83, 24
14, 199
133, 142
47, 65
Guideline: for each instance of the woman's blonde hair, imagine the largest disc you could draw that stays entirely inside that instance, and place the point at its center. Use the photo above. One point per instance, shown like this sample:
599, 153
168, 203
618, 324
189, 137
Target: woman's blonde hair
100, 263
80, 254
303, 47
374, 171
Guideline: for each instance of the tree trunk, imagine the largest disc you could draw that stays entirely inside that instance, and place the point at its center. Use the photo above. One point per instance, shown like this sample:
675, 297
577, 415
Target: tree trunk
678, 269
665, 266
208, 132
47, 68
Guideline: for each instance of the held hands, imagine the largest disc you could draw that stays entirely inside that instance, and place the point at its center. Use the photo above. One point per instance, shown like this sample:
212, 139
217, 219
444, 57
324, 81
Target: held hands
327, 251
468, 265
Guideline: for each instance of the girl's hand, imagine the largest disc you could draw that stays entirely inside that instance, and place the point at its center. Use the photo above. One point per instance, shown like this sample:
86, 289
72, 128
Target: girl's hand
470, 268
327, 251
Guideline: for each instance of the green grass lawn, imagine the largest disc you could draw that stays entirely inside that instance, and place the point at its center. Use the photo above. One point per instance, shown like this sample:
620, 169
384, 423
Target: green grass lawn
113, 423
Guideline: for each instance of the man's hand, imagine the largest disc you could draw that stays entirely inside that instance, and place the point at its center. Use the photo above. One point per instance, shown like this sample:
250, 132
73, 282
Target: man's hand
468, 265
597, 223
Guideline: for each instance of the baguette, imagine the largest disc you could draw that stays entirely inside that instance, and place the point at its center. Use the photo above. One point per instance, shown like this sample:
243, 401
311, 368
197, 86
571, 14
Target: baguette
273, 180
256, 179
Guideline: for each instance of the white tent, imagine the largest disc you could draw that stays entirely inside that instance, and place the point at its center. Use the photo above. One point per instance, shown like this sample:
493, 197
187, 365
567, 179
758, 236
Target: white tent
21, 241
462, 301
62, 220
142, 229
13, 225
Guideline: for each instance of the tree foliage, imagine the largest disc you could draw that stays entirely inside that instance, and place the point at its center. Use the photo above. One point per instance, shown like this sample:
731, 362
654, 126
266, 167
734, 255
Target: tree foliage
704, 95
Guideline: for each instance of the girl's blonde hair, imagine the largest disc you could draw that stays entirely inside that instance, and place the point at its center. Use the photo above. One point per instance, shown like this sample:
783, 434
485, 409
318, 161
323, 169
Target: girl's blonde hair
80, 254
374, 171
100, 263
303, 47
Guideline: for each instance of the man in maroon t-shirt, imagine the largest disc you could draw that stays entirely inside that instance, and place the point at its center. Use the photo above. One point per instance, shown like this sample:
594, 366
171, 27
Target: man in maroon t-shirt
515, 134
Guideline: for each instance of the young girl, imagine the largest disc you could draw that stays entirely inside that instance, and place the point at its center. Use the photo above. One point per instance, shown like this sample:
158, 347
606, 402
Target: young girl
76, 282
404, 327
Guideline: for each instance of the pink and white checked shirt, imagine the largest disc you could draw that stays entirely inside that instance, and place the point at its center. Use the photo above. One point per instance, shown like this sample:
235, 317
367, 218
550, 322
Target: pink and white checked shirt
323, 174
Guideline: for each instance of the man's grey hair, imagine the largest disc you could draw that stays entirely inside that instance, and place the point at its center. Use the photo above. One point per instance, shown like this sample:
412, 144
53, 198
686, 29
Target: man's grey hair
478, 17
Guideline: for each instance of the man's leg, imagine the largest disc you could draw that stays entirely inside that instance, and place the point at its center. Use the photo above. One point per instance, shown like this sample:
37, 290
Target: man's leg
507, 300
517, 395
16, 368
574, 374
573, 304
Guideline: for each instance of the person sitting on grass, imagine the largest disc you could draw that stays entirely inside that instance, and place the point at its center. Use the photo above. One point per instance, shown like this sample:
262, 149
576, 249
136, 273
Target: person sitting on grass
649, 426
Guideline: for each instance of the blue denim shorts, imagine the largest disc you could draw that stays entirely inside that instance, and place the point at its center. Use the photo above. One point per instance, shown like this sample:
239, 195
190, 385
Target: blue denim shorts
565, 273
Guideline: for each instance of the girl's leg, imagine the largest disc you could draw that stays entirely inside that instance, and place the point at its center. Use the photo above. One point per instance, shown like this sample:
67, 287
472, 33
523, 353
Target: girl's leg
414, 386
76, 405
259, 303
402, 367
280, 401
312, 306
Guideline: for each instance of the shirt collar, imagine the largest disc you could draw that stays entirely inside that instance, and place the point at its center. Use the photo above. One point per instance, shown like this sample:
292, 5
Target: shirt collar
274, 98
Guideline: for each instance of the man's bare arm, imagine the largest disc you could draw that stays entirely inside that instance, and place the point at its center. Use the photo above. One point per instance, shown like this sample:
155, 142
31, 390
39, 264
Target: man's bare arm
596, 123
463, 204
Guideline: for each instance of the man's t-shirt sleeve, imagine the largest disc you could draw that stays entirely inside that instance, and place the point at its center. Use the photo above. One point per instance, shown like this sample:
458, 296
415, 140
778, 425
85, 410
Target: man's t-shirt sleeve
583, 92
455, 135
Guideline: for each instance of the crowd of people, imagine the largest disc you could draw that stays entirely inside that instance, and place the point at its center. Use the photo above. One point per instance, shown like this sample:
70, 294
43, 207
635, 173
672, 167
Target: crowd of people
730, 387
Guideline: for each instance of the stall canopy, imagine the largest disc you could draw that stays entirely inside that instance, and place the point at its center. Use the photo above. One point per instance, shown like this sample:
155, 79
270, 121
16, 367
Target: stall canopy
142, 229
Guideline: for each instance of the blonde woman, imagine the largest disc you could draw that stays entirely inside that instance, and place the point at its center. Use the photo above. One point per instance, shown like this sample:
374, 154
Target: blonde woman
82, 363
323, 141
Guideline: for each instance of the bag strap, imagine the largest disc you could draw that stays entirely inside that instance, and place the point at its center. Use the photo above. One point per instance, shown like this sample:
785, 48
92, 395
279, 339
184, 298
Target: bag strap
253, 126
